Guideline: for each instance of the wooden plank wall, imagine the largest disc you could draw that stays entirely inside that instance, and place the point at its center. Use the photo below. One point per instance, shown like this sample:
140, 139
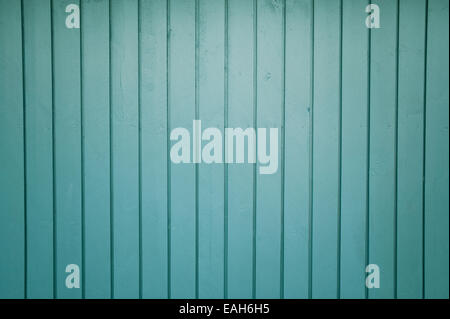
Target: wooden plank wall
363, 164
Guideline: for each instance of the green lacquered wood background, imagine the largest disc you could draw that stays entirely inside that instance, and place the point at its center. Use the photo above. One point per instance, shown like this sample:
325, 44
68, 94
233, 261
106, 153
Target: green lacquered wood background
363, 173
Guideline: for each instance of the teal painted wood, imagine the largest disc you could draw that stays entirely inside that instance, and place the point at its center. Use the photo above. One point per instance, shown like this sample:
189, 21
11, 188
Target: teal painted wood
354, 155
411, 57
67, 148
210, 178
86, 178
12, 188
297, 145
240, 113
436, 153
325, 148
96, 148
382, 149
154, 135
270, 109
37, 48
182, 101
125, 146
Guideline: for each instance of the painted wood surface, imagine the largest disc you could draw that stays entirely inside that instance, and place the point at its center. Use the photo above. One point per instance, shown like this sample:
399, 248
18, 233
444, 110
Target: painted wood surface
85, 170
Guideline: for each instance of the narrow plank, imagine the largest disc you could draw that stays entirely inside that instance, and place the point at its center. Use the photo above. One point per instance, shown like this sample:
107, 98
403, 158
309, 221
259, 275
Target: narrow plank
411, 67
382, 152
183, 182
39, 147
95, 103
153, 90
298, 111
12, 204
240, 176
354, 150
125, 171
326, 148
269, 115
436, 156
211, 23
67, 143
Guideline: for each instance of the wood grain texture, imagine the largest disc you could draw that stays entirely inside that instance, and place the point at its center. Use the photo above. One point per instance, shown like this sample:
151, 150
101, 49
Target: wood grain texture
85, 170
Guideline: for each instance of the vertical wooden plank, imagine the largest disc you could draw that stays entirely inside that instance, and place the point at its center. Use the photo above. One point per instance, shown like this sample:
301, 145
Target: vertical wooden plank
382, 152
240, 176
298, 111
124, 100
12, 206
153, 90
95, 103
210, 59
436, 156
326, 148
269, 115
67, 139
39, 147
182, 113
411, 59
354, 150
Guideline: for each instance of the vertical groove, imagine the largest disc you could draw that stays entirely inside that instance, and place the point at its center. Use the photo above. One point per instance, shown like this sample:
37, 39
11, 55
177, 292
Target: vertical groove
225, 124
140, 144
424, 143
169, 221
197, 113
283, 148
255, 109
55, 292
311, 159
339, 217
83, 204
111, 168
24, 132
397, 49
369, 61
